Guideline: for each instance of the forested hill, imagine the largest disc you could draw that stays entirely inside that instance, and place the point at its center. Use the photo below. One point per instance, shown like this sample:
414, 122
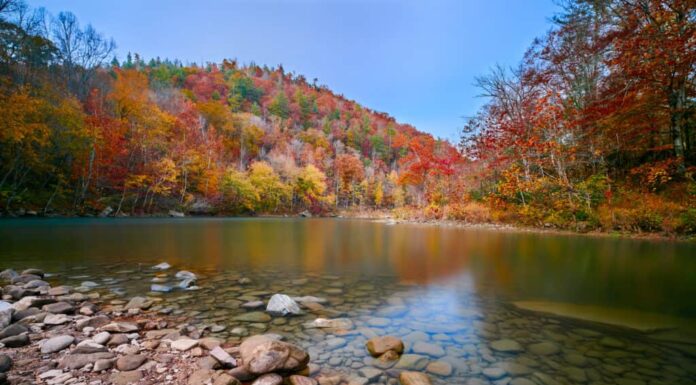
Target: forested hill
81, 131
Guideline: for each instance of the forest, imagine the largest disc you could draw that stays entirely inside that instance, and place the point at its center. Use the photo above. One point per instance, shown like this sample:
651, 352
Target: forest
593, 130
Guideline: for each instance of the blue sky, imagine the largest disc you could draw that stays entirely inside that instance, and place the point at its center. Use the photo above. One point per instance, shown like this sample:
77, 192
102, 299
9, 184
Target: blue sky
415, 60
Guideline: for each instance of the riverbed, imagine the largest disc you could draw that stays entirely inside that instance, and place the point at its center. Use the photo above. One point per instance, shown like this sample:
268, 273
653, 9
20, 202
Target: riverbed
472, 306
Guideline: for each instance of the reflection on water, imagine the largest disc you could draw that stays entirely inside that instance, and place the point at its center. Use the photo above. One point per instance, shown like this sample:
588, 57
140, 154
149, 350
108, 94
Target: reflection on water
447, 292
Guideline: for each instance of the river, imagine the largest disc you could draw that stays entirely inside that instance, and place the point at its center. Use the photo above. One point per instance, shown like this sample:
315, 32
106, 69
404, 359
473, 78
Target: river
472, 305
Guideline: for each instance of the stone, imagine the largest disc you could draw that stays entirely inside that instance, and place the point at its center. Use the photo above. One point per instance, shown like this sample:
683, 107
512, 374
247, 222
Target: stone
36, 272
506, 346
414, 378
78, 361
176, 214
254, 316
281, 304
59, 308
412, 362
493, 373
335, 343
441, 368
120, 327
117, 340
184, 344
56, 319
225, 379
544, 348
59, 290
56, 344
262, 354
268, 379
380, 345
125, 378
162, 266
515, 369
8, 274
87, 347
522, 381
16, 341
183, 274
336, 323
160, 288
5, 363
130, 362
253, 305
13, 330
224, 358
428, 349
101, 338
6, 311
575, 359
103, 364
20, 315
612, 342
301, 380
138, 303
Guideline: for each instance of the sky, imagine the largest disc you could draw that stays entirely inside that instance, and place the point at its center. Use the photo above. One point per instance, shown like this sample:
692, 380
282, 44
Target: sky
415, 60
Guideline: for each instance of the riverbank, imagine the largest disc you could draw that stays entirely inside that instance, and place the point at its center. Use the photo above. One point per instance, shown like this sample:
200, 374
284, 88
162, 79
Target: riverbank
389, 218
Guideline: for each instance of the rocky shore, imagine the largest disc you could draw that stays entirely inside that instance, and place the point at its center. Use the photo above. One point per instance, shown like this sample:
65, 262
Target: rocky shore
72, 335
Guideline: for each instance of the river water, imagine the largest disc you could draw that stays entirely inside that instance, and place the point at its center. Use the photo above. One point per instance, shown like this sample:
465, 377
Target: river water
472, 306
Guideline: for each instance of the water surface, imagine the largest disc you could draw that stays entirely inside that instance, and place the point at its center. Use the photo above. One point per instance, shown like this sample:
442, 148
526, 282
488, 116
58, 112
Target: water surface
449, 292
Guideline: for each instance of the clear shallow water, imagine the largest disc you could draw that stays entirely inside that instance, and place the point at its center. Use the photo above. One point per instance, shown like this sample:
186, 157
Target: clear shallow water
448, 292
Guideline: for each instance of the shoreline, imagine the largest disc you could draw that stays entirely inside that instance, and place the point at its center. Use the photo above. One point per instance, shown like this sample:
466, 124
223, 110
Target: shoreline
386, 217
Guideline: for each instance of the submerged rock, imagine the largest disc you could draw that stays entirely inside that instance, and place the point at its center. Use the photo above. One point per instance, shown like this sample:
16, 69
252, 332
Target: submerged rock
336, 323
254, 316
160, 288
506, 346
380, 345
162, 266
414, 378
281, 304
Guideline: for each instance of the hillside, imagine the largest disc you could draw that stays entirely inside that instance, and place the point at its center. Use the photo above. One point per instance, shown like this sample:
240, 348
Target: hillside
80, 135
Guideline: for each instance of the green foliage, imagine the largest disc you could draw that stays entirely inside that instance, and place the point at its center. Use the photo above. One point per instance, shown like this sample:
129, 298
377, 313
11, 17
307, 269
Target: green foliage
280, 106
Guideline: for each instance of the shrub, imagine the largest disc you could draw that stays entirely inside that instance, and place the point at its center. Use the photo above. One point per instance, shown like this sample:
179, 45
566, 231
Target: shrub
470, 212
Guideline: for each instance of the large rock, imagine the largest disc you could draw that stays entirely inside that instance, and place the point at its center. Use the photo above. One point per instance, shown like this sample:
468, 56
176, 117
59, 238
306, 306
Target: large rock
56, 344
414, 378
262, 354
380, 345
281, 304
428, 349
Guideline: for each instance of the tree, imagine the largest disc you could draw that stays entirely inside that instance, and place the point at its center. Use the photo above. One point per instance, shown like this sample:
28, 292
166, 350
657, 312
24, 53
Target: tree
280, 106
272, 191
